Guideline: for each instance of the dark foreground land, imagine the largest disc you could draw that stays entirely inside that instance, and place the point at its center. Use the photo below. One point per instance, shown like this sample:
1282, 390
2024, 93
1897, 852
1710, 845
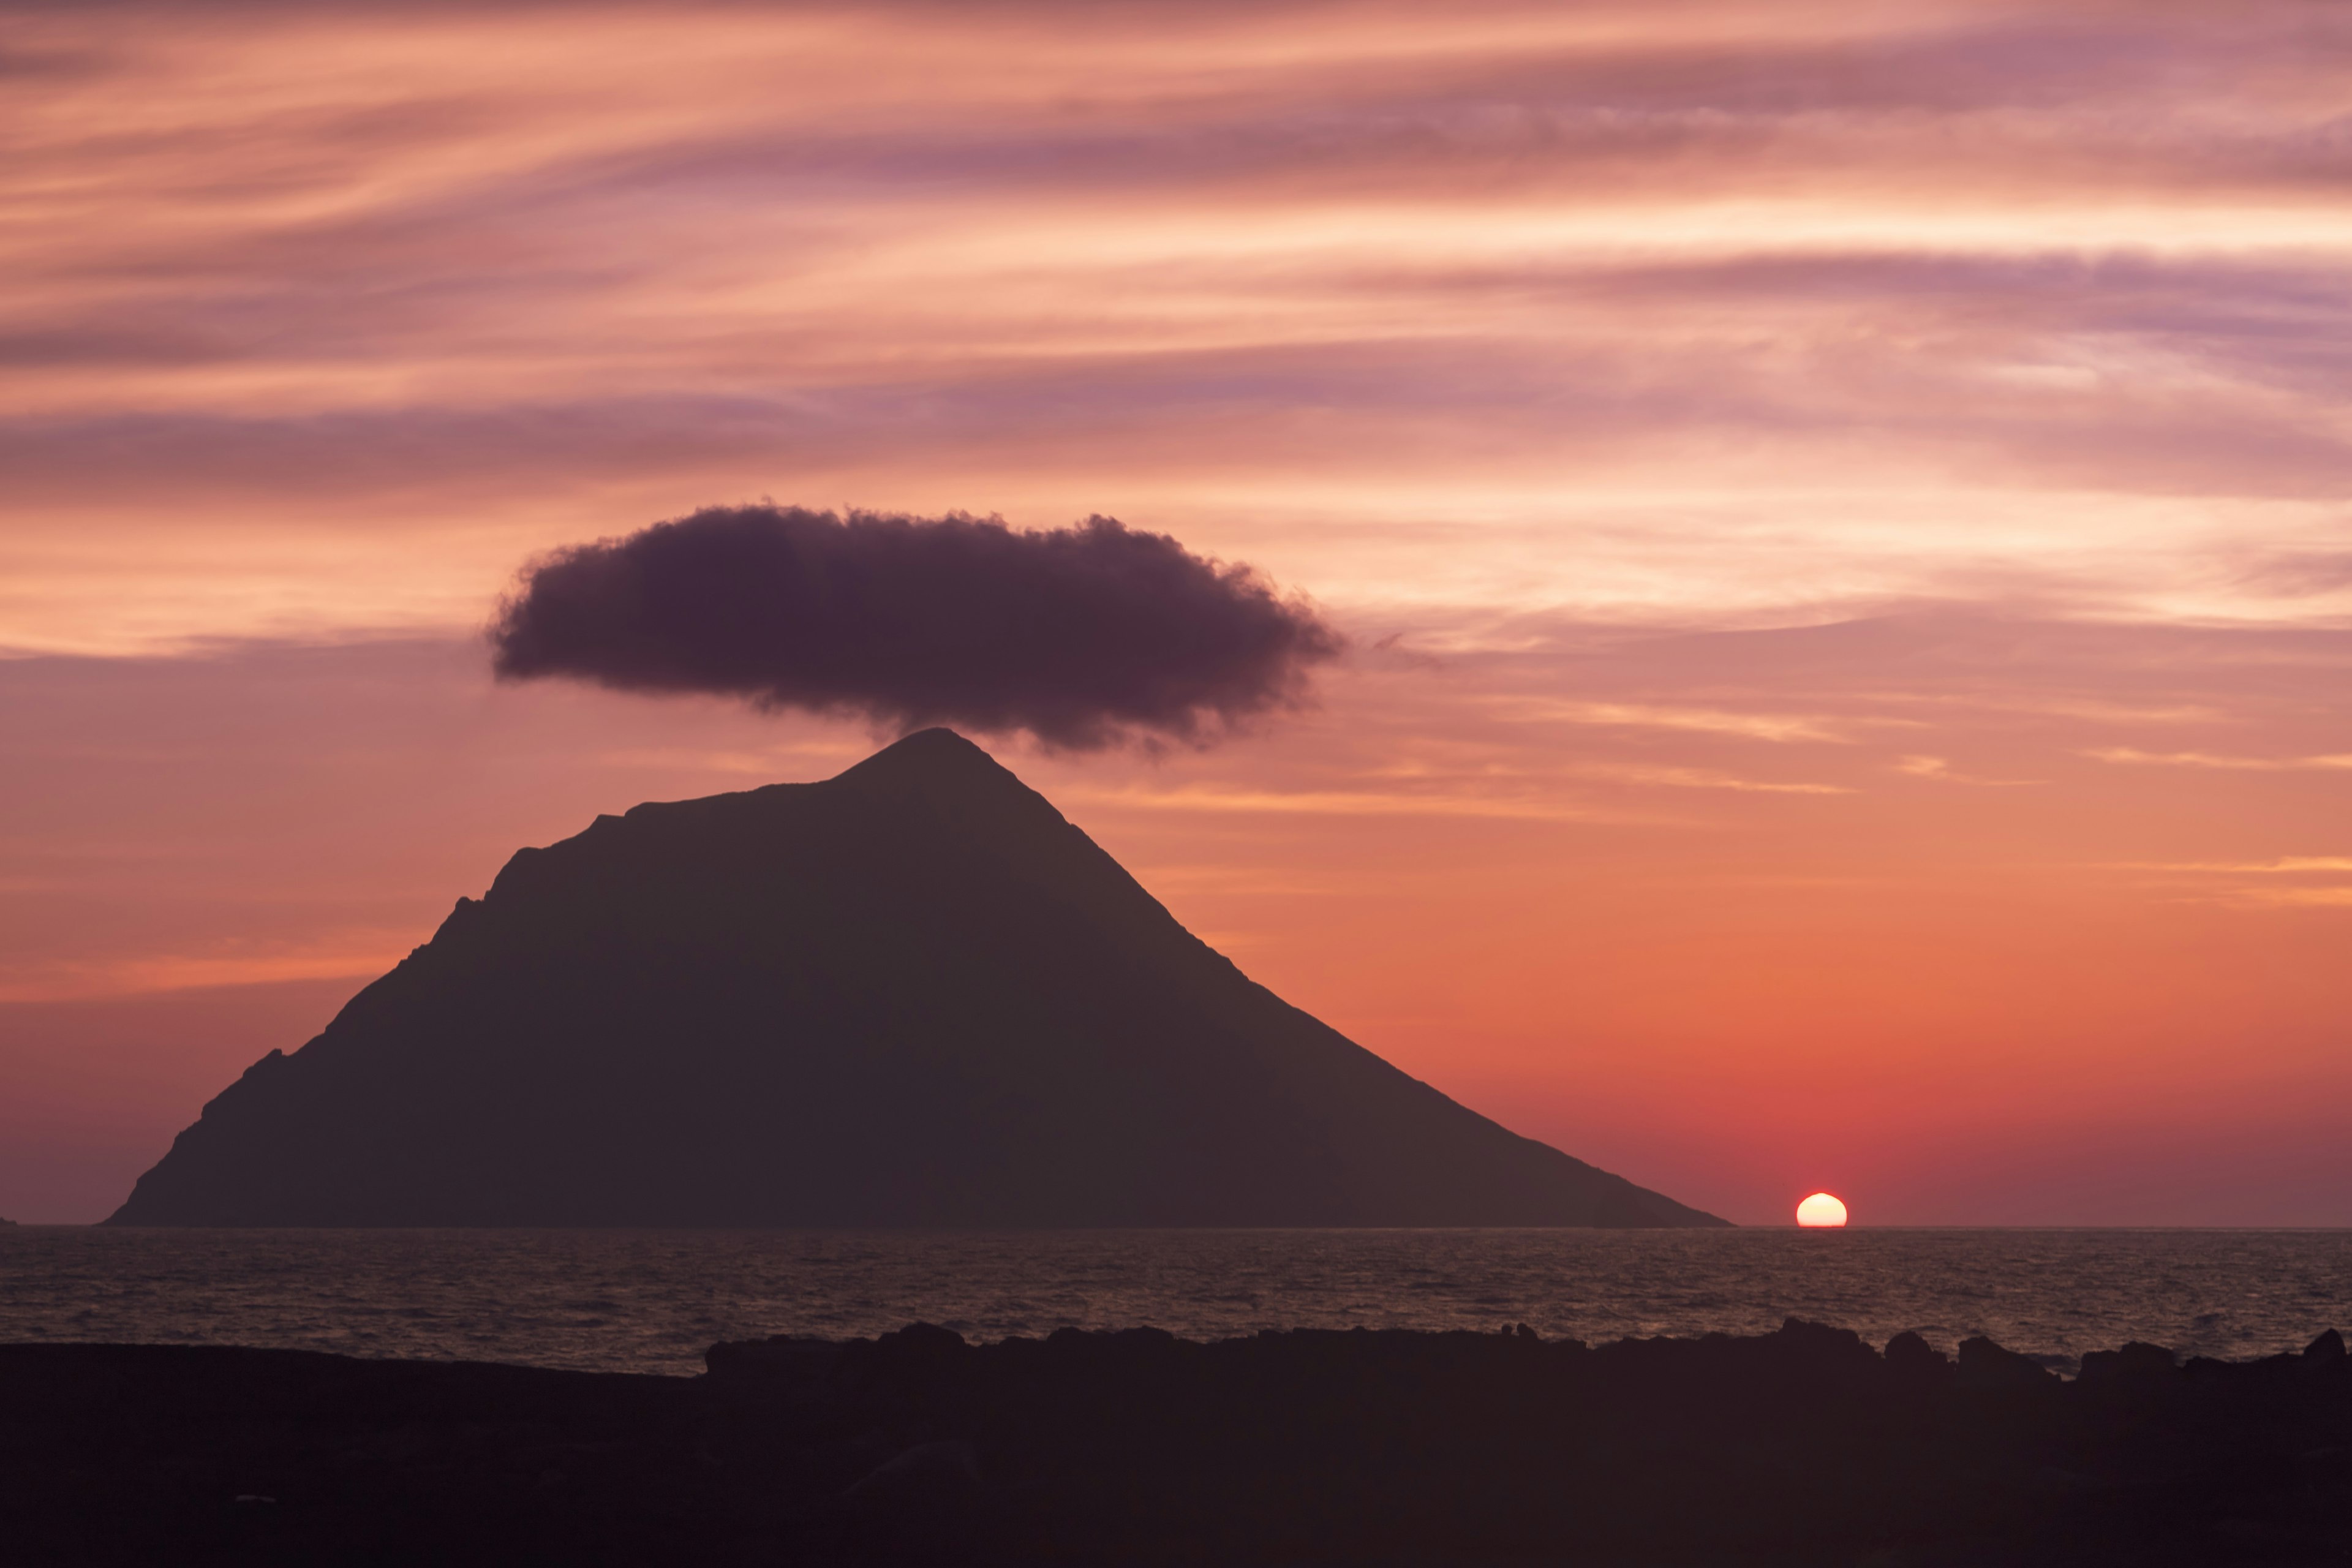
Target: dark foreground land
1803, 1446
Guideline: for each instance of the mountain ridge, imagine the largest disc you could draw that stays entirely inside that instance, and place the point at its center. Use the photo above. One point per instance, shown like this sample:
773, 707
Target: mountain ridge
913, 994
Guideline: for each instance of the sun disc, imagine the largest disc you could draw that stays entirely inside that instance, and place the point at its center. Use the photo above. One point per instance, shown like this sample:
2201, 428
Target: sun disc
1821, 1211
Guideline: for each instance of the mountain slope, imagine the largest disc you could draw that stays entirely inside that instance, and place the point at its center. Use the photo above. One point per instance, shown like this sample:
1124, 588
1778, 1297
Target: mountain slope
912, 994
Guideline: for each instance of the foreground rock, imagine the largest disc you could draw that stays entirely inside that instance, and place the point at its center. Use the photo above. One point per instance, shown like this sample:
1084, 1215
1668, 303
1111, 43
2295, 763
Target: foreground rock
911, 995
1800, 1447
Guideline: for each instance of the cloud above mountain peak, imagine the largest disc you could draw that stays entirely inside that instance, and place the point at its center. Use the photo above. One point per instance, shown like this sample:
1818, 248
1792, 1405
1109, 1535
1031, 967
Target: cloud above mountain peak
1085, 637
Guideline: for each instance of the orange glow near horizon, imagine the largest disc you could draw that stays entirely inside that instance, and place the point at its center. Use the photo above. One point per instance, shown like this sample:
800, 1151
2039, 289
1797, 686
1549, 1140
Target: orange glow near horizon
1839, 514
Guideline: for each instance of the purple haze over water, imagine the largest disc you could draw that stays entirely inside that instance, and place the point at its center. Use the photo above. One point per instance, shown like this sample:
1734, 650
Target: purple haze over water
653, 1301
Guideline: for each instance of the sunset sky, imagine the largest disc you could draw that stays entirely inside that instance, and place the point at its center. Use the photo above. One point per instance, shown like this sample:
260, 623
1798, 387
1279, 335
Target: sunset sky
1839, 511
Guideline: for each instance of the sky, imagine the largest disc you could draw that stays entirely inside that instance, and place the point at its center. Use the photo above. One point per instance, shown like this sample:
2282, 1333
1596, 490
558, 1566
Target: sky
1837, 512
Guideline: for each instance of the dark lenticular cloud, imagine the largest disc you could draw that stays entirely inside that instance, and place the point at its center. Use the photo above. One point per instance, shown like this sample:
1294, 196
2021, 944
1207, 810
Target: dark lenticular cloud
1084, 635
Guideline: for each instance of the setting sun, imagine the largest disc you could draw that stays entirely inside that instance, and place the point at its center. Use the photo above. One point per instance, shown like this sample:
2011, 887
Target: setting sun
1821, 1211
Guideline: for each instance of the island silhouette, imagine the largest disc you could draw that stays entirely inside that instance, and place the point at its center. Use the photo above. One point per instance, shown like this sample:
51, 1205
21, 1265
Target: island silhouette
912, 994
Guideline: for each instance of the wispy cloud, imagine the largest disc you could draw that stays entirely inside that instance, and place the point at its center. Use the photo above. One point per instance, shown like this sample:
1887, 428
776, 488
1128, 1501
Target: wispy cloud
1743, 307
2284, 865
2285, 881
1700, 778
2128, 756
1941, 769
2107, 712
2313, 897
362, 955
1349, 803
1777, 727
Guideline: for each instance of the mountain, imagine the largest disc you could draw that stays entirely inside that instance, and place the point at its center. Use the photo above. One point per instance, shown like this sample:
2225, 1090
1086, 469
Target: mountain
909, 996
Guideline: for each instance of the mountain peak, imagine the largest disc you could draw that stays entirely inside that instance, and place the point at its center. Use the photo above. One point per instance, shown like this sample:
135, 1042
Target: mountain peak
946, 775
937, 753
912, 994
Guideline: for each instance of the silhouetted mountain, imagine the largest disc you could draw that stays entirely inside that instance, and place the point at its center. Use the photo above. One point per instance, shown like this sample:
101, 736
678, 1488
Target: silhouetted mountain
912, 994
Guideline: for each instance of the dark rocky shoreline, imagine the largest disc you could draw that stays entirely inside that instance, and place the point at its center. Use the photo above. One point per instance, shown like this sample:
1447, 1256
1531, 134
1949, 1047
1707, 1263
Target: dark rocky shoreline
1799, 1448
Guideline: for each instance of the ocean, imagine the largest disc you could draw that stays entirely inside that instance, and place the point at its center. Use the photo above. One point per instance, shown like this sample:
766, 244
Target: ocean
652, 1301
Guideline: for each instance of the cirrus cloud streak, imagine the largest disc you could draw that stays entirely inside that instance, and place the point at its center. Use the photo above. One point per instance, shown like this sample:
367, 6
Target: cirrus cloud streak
1746, 309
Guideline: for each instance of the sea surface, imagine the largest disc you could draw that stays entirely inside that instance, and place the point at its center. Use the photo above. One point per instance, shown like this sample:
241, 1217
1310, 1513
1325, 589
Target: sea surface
653, 1301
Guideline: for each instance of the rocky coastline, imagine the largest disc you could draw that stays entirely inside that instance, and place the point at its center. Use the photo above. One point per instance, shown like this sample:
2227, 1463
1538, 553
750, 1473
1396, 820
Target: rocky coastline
1803, 1447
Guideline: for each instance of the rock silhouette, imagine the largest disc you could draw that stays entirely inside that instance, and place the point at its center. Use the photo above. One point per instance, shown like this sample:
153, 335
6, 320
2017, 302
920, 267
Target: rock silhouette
912, 994
1474, 1450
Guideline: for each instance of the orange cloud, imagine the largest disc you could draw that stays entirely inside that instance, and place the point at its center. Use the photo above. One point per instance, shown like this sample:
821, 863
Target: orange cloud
1739, 313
